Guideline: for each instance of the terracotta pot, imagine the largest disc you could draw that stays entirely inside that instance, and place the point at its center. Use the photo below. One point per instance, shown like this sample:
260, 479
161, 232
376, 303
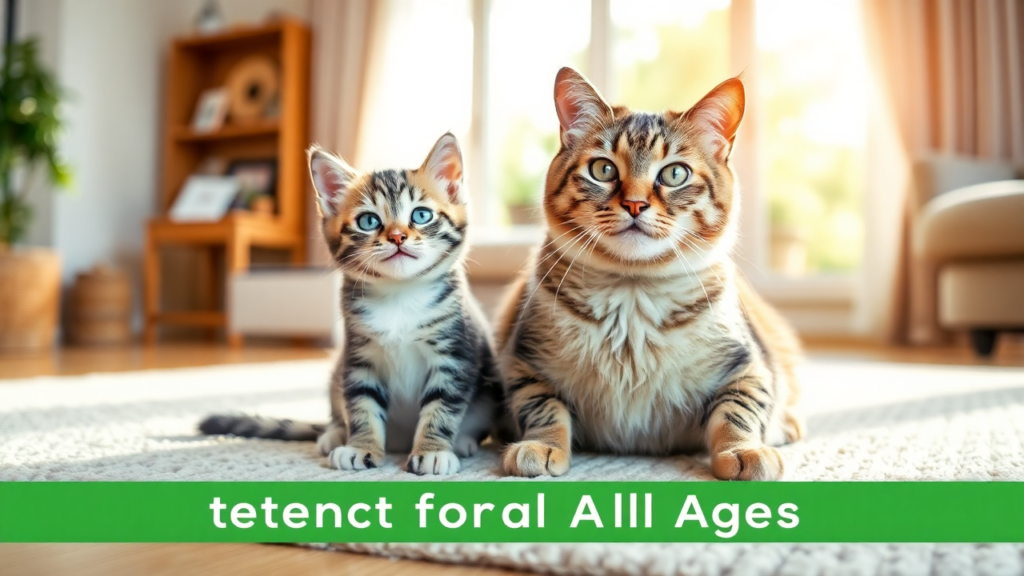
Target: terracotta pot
525, 214
29, 298
789, 250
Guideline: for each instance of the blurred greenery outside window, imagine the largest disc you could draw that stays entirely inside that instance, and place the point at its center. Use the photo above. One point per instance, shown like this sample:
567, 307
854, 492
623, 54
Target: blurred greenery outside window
529, 41
814, 113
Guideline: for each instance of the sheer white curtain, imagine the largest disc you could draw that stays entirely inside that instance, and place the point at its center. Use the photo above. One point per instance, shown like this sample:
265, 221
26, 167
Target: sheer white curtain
951, 74
343, 36
418, 83
390, 76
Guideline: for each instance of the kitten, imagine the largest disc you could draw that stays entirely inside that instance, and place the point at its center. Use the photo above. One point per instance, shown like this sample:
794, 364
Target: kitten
417, 372
634, 332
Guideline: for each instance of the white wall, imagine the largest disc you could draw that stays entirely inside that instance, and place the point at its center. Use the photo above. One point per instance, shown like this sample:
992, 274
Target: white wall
110, 56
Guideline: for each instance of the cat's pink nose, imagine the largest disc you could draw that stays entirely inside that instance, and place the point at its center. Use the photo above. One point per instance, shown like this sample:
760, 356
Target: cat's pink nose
396, 237
635, 207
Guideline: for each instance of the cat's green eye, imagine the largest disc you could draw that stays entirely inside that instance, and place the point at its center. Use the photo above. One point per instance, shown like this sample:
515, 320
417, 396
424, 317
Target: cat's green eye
422, 215
368, 222
603, 170
674, 175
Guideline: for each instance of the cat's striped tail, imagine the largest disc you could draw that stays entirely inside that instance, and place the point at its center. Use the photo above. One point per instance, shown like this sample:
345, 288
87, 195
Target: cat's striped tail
260, 427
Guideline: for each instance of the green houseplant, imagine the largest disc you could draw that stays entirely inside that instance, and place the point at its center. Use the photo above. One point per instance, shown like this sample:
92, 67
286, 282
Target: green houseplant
30, 124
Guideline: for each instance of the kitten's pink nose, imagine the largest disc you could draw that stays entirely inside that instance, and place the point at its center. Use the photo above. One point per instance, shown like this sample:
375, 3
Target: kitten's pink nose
635, 207
396, 237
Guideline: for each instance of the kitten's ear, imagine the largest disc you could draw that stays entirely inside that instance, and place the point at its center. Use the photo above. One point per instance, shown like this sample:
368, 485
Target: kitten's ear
721, 110
332, 179
580, 108
444, 164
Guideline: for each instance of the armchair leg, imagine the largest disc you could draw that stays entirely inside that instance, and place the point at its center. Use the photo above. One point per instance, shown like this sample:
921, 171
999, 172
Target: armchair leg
983, 342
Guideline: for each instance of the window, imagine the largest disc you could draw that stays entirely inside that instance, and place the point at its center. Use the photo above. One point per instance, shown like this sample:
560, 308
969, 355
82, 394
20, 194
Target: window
801, 162
667, 55
814, 113
529, 41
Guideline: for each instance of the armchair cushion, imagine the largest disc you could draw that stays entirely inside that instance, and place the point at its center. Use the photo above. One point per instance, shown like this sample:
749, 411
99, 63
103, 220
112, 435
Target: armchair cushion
980, 221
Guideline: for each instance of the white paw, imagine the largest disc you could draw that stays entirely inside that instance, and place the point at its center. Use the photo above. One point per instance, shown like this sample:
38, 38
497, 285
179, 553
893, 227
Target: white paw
350, 458
439, 463
466, 446
330, 439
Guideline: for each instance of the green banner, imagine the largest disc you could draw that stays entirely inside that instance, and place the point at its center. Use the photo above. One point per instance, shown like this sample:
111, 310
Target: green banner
511, 512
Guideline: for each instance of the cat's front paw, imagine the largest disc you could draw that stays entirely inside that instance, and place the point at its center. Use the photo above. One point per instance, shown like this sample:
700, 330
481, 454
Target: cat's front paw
352, 458
747, 463
441, 463
532, 458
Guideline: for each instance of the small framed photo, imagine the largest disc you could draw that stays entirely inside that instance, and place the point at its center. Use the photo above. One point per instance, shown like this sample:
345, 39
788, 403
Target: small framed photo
211, 110
257, 181
204, 199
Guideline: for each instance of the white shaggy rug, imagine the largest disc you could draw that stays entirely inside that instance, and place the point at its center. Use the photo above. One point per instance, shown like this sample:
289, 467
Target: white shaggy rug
868, 421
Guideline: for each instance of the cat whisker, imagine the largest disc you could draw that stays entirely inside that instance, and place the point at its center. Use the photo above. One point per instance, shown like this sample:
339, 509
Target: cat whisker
541, 281
573, 261
539, 250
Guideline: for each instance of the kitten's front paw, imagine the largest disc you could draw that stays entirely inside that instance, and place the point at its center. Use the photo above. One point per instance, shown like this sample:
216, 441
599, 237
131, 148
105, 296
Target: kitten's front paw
439, 463
333, 437
532, 458
747, 463
352, 458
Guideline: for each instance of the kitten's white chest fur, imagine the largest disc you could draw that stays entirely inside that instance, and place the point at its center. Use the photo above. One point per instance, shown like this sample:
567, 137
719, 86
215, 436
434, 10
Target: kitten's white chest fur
636, 386
394, 317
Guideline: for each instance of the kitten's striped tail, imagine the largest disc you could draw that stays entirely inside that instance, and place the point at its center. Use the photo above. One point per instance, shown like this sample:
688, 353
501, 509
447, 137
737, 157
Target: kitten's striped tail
260, 427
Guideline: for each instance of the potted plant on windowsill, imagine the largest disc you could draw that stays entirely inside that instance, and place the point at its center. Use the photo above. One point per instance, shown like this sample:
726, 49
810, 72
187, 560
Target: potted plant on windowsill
29, 127
791, 214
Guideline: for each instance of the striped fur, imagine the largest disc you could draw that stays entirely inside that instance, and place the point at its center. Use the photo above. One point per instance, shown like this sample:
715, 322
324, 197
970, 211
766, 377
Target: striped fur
633, 332
417, 372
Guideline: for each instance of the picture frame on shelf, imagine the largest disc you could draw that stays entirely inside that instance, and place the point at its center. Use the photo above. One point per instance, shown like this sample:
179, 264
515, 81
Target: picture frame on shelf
204, 198
211, 110
257, 180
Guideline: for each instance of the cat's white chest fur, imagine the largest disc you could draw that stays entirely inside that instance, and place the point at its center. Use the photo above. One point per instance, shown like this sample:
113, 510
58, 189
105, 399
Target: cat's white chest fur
637, 386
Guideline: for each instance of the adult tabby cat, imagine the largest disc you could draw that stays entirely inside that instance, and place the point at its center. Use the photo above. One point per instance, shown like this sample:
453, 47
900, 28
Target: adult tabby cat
417, 372
634, 333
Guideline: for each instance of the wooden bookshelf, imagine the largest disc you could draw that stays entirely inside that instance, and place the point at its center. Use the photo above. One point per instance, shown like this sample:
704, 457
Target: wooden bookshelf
195, 64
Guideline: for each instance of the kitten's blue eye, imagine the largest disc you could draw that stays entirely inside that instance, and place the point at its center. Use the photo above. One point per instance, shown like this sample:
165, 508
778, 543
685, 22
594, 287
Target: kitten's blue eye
674, 175
422, 215
368, 222
603, 170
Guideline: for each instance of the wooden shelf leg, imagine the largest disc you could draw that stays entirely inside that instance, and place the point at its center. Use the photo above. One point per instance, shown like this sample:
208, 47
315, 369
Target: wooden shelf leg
208, 284
297, 254
238, 254
151, 290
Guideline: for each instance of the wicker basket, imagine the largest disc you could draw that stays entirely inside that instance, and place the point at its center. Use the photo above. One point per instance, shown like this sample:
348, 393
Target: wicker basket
29, 299
100, 307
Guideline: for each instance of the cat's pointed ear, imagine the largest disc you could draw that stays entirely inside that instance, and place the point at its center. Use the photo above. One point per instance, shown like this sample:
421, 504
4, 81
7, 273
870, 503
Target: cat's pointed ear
332, 179
721, 110
444, 165
580, 108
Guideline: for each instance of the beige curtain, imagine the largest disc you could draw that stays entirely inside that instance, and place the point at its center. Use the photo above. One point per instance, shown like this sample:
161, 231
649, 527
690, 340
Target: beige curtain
952, 73
344, 34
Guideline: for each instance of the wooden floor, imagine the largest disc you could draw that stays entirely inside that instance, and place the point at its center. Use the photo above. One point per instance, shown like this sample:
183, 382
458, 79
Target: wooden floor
226, 559
88, 559
73, 361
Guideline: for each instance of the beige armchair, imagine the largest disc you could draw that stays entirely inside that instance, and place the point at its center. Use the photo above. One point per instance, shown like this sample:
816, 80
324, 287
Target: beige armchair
968, 237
